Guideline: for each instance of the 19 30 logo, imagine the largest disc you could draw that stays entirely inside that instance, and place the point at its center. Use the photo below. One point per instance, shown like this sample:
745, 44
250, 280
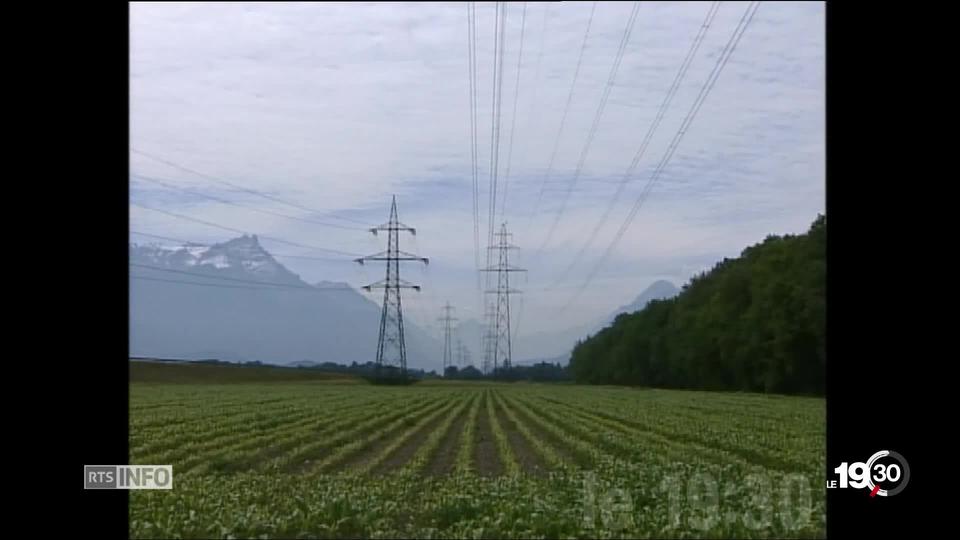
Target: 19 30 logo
886, 468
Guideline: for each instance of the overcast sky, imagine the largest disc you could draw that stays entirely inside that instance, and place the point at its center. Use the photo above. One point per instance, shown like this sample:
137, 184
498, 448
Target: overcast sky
336, 107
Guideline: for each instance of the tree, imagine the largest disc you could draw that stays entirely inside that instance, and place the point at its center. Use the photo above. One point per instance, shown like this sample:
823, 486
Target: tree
753, 323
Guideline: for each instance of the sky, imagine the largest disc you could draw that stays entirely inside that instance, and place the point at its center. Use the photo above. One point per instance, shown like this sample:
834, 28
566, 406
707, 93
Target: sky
330, 109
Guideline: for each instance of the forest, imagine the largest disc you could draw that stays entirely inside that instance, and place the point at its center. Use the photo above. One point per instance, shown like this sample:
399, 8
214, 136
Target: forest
755, 323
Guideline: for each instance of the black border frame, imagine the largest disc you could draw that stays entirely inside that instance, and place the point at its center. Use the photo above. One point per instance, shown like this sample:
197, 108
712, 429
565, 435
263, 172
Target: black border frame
875, 342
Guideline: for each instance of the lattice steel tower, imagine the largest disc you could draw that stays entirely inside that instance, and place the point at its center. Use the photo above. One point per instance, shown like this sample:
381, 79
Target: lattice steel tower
447, 337
464, 357
502, 349
460, 356
391, 348
488, 337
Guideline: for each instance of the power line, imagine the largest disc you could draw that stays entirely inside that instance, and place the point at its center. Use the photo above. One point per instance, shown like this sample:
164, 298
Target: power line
513, 118
242, 188
566, 109
471, 53
217, 285
424, 302
611, 78
231, 229
202, 244
499, 32
132, 276
536, 74
166, 184
159, 237
684, 126
516, 326
641, 151
239, 280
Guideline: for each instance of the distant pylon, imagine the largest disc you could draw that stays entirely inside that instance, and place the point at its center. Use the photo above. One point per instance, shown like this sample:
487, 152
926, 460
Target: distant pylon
502, 348
391, 348
447, 337
488, 338
488, 343
464, 357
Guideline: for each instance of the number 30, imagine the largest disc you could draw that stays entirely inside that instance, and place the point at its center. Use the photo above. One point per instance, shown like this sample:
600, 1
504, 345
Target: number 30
886, 473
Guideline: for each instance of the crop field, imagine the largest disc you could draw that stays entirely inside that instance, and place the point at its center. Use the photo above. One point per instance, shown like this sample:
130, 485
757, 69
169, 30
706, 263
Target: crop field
446, 460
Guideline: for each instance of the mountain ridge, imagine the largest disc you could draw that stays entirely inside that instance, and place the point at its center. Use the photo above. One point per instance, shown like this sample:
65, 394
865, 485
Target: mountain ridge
557, 346
190, 301
194, 301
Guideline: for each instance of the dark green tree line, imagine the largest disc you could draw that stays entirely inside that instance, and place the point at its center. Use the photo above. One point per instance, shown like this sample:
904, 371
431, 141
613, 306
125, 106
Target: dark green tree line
755, 323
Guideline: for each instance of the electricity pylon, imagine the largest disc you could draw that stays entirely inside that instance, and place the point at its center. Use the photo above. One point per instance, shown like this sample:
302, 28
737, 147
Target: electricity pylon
447, 337
502, 349
391, 348
464, 357
460, 357
488, 338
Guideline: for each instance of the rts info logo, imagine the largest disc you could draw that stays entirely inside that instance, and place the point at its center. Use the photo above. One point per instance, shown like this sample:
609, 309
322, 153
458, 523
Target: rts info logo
128, 477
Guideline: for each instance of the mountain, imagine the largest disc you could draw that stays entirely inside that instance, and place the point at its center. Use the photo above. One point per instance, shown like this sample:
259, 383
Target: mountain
196, 301
659, 290
527, 348
556, 346
241, 257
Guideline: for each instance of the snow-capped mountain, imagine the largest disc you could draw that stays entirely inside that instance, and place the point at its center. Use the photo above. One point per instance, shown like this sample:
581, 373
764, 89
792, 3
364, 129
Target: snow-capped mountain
187, 301
243, 255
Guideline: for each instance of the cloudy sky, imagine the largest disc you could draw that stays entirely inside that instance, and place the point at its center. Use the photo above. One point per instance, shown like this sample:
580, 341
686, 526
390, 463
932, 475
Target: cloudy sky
332, 108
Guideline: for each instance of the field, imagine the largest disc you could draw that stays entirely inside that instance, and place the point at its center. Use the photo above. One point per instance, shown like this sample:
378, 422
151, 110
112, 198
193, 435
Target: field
446, 460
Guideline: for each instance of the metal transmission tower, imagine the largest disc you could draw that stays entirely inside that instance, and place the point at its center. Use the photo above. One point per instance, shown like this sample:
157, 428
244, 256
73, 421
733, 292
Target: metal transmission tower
488, 338
464, 357
391, 348
501, 348
447, 341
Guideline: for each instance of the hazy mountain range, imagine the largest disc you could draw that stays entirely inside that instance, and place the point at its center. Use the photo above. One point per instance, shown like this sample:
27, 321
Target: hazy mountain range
202, 302
556, 346
176, 313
